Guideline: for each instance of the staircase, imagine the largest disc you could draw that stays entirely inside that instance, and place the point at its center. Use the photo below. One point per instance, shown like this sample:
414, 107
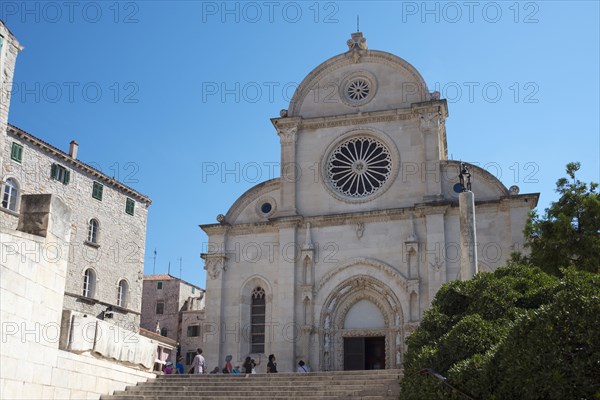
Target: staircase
368, 385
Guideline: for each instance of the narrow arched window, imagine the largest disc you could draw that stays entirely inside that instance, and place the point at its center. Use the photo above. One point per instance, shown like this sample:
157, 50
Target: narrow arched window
257, 321
123, 289
89, 283
93, 231
10, 194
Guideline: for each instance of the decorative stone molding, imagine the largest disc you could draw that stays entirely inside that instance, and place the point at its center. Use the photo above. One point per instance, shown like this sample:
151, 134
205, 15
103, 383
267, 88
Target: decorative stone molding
215, 263
287, 135
356, 134
429, 122
350, 58
251, 195
358, 88
357, 42
260, 204
308, 248
392, 272
360, 229
337, 306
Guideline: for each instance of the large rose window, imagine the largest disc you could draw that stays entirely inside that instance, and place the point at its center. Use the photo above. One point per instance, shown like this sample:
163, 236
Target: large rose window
360, 166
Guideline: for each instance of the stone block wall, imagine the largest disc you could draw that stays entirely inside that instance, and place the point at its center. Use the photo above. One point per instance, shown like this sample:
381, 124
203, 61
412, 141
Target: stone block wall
32, 288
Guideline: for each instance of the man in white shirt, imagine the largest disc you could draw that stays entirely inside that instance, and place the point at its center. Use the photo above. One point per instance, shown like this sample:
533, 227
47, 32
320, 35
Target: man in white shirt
302, 367
198, 363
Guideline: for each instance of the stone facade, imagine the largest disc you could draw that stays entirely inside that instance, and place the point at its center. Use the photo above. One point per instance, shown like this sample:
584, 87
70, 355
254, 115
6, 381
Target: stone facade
182, 306
32, 291
349, 246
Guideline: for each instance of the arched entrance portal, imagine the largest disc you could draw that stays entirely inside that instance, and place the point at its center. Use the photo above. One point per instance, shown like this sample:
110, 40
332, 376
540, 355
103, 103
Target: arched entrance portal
361, 324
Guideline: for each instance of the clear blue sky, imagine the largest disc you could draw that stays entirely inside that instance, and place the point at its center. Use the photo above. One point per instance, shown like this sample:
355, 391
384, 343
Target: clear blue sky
140, 86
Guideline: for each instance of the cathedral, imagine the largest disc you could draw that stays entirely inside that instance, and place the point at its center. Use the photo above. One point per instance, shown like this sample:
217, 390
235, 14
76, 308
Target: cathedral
335, 261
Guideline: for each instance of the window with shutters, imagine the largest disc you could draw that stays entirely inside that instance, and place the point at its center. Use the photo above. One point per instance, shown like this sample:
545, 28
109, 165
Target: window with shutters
16, 152
60, 173
129, 206
97, 191
160, 307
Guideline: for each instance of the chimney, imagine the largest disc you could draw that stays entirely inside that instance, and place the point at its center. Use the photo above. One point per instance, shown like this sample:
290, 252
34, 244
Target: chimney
74, 146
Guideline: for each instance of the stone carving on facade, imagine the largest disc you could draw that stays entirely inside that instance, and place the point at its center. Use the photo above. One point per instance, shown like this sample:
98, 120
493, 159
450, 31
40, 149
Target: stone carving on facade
360, 229
437, 264
308, 248
357, 42
214, 264
386, 268
337, 306
430, 122
287, 134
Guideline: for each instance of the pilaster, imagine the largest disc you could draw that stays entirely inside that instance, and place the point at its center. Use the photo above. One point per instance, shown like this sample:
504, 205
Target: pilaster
432, 124
287, 132
435, 262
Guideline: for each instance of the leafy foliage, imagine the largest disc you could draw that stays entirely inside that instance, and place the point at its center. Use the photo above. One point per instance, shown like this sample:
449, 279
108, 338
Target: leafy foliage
517, 333
569, 232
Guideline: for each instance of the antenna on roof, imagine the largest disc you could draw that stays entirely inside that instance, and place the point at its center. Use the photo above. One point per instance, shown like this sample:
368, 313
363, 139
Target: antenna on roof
154, 267
357, 24
169, 271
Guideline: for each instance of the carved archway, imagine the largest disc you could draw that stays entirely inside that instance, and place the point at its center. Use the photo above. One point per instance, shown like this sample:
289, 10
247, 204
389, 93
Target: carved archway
333, 315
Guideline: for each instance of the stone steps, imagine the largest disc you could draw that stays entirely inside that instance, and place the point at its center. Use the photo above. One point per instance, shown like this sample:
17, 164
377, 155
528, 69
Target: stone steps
368, 385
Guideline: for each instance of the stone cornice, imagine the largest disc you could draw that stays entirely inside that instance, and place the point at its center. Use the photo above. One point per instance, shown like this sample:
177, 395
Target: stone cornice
419, 210
360, 118
431, 106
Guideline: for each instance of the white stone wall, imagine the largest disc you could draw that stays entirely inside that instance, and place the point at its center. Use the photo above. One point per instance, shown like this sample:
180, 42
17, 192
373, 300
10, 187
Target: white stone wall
393, 249
31, 292
121, 239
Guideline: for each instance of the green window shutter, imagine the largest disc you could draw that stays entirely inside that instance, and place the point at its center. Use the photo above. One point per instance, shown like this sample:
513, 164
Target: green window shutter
16, 152
97, 191
129, 206
53, 171
67, 177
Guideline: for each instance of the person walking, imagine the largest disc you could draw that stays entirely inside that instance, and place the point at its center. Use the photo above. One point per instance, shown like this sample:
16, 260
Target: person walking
272, 365
227, 369
249, 365
198, 364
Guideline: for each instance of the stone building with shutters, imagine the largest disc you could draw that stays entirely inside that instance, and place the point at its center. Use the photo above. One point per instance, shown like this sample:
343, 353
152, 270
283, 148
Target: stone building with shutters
108, 220
174, 309
335, 262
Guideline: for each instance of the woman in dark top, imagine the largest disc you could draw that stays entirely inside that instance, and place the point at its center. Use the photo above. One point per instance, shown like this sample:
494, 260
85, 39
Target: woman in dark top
249, 364
272, 365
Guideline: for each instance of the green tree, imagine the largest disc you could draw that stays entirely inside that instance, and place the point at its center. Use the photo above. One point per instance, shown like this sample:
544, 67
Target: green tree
517, 333
568, 234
